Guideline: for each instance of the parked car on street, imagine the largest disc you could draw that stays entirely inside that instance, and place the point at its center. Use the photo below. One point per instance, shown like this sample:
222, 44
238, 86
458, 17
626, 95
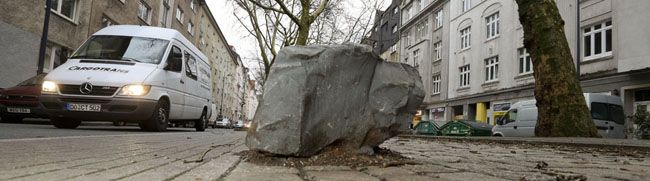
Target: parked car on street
224, 123
606, 111
212, 121
240, 124
136, 74
21, 101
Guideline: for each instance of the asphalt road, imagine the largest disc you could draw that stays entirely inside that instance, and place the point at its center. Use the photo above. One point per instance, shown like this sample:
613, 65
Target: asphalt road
41, 128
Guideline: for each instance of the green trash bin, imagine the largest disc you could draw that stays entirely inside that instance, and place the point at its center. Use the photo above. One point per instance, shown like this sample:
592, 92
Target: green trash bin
466, 128
426, 128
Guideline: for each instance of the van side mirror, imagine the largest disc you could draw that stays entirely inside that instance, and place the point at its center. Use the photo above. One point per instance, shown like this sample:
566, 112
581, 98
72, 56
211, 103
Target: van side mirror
175, 60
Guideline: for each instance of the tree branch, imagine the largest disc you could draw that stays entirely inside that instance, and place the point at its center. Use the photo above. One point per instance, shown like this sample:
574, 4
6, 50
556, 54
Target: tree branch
318, 11
287, 11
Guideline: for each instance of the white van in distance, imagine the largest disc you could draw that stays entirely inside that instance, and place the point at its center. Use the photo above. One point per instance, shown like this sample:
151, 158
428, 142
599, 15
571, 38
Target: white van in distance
606, 111
136, 74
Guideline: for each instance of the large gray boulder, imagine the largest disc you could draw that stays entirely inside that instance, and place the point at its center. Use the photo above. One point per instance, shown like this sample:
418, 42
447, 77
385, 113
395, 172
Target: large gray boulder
338, 95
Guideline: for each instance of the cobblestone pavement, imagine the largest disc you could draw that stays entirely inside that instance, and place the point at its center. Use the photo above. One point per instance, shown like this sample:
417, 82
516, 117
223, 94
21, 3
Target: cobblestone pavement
162, 156
149, 156
453, 160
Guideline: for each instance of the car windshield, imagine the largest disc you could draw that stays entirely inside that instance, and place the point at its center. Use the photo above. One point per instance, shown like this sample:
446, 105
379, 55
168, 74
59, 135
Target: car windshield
36, 80
123, 48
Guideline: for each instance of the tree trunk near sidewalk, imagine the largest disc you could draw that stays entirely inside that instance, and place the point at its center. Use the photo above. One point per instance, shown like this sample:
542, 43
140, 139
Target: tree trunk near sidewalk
561, 105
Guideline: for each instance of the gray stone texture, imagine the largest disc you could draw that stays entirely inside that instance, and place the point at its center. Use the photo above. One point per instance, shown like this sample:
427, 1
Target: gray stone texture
317, 96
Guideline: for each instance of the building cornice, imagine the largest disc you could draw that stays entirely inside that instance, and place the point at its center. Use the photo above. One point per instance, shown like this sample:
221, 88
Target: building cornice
427, 10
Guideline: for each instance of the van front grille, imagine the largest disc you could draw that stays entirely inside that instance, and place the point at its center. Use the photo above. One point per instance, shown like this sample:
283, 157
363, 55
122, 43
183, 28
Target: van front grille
97, 90
84, 100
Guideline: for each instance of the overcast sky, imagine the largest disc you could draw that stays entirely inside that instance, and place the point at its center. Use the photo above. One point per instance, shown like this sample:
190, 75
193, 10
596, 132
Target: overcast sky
237, 36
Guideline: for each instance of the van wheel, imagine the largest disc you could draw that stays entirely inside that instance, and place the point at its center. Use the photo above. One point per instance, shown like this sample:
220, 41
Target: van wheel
160, 118
11, 119
65, 124
201, 124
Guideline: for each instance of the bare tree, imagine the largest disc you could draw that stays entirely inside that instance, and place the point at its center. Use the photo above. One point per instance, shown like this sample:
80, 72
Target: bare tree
303, 20
272, 28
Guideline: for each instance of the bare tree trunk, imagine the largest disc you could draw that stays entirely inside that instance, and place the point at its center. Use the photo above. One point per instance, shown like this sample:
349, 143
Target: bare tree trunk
561, 106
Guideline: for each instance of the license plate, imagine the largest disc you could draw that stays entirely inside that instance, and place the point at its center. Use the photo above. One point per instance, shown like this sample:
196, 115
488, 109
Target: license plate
18, 110
85, 107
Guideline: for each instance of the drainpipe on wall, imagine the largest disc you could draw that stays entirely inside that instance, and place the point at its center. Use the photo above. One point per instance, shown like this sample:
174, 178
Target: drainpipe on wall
578, 38
46, 23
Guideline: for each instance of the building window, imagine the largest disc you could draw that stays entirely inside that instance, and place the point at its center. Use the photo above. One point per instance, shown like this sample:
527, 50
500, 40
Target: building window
492, 69
436, 85
189, 28
464, 76
492, 25
395, 10
437, 51
393, 48
192, 5
54, 56
144, 11
598, 40
416, 58
410, 12
425, 28
65, 8
407, 38
179, 14
439, 19
394, 29
467, 4
165, 12
465, 38
525, 62
421, 5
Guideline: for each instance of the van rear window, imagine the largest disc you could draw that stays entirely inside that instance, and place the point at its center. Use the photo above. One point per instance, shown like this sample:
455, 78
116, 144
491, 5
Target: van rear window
609, 112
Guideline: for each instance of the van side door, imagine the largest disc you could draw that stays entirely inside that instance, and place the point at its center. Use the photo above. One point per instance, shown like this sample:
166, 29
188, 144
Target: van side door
174, 82
526, 121
193, 103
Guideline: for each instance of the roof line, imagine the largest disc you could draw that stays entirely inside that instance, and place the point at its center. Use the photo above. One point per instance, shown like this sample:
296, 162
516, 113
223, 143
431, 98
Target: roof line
203, 4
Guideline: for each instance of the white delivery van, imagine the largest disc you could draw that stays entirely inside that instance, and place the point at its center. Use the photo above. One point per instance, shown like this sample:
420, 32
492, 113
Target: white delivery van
137, 74
606, 111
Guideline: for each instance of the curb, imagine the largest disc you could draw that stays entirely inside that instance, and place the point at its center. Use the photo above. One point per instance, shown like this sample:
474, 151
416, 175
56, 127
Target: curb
640, 145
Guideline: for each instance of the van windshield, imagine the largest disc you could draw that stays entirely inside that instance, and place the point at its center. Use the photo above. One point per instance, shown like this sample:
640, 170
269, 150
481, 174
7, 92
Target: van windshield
123, 48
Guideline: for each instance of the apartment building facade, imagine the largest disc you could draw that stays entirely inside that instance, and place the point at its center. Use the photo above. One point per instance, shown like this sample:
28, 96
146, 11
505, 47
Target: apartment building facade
73, 21
21, 26
614, 56
489, 68
424, 44
384, 37
223, 60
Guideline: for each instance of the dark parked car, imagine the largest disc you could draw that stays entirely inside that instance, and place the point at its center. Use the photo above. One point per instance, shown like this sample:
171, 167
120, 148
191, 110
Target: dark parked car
21, 101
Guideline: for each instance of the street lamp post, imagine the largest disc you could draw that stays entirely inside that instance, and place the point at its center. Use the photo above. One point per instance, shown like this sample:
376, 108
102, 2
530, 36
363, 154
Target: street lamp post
46, 23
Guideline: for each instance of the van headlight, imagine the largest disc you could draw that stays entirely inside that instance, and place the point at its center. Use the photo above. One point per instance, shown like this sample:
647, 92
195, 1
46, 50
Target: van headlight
48, 87
135, 90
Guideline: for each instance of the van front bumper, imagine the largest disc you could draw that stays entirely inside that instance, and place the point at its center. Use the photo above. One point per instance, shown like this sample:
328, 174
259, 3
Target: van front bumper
112, 109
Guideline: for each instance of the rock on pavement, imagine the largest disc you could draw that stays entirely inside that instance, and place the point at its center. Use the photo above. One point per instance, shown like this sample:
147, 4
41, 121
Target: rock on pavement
335, 95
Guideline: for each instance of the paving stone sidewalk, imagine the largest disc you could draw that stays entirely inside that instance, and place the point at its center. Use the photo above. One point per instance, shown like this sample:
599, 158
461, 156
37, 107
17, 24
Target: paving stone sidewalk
451, 160
164, 156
